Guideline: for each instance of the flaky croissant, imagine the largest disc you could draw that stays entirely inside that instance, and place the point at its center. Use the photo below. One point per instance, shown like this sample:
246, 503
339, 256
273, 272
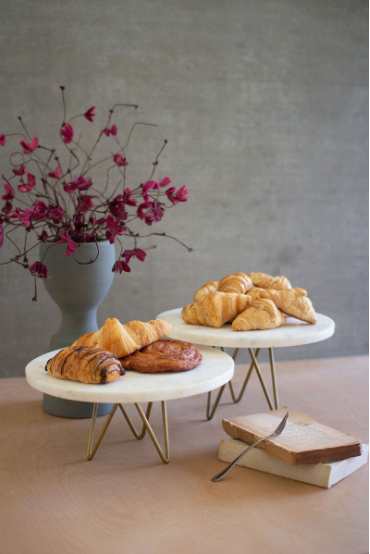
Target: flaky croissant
237, 283
85, 364
123, 340
215, 309
254, 293
261, 314
209, 287
292, 302
264, 281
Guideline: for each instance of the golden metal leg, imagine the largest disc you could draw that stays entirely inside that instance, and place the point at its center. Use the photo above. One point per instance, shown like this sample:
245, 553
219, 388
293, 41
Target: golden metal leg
261, 379
91, 450
273, 378
210, 414
238, 399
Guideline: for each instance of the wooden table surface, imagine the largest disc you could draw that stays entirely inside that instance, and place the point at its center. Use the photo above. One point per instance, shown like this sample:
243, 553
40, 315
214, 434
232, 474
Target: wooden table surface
53, 501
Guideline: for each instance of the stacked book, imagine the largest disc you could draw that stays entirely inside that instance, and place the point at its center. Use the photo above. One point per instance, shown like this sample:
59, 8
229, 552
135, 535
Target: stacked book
306, 451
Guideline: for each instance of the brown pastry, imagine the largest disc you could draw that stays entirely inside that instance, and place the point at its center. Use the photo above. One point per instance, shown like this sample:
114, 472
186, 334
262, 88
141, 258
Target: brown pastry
164, 355
261, 314
255, 292
209, 287
292, 302
215, 309
264, 281
85, 364
122, 340
238, 283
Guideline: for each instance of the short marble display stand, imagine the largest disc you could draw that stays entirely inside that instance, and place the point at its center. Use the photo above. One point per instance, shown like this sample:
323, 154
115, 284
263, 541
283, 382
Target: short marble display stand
294, 333
215, 370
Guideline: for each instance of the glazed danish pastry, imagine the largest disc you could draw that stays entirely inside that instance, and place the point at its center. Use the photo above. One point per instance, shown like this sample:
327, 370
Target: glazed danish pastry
163, 355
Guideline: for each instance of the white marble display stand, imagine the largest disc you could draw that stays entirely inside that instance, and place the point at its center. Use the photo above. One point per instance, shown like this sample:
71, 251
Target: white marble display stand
294, 333
215, 370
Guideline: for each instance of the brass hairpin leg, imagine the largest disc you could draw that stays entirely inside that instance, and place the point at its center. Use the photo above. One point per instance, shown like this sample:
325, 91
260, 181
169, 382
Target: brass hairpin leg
263, 385
238, 399
209, 413
91, 450
273, 378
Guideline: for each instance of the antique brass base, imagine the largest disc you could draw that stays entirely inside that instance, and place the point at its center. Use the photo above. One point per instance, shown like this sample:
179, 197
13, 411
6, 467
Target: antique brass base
165, 457
254, 355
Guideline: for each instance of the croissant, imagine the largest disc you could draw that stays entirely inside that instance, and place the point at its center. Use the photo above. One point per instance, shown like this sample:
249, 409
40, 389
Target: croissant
85, 364
238, 283
261, 314
267, 282
215, 309
255, 293
209, 287
292, 302
123, 340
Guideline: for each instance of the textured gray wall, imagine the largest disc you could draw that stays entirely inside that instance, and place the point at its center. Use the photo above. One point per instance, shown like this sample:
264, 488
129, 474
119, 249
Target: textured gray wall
264, 104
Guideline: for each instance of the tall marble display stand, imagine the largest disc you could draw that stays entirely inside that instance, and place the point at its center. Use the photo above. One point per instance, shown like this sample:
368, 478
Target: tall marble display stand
294, 333
216, 369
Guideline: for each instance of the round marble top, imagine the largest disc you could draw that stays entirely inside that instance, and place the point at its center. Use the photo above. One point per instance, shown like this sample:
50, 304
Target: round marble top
216, 369
294, 333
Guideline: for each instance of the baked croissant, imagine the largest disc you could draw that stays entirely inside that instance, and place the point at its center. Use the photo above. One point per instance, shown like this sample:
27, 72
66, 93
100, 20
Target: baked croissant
238, 283
292, 302
264, 281
85, 364
215, 309
123, 340
209, 287
255, 292
261, 314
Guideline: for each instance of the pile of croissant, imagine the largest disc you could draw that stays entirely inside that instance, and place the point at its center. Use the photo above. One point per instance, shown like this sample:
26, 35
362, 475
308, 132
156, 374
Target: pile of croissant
254, 301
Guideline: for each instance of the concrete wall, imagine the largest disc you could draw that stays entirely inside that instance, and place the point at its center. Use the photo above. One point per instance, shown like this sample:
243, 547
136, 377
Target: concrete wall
264, 105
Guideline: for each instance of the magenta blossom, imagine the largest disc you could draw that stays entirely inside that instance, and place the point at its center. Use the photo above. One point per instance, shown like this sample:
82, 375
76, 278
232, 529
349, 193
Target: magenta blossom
31, 182
7, 208
25, 217
117, 207
77, 183
28, 148
83, 184
9, 192
55, 174
119, 160
90, 114
71, 245
138, 253
179, 196
21, 171
163, 183
149, 185
39, 270
67, 133
85, 204
120, 266
55, 213
115, 228
130, 201
112, 132
2, 140
39, 209
154, 212
43, 236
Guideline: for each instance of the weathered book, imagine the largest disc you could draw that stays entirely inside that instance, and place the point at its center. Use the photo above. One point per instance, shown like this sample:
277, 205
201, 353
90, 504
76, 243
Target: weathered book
303, 441
321, 475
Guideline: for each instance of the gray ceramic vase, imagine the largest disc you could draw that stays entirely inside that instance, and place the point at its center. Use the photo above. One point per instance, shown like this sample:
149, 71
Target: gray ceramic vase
78, 290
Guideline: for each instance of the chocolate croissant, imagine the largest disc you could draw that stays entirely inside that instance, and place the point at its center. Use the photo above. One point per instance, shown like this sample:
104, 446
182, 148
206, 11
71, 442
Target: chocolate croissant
261, 314
215, 309
123, 340
237, 283
264, 281
209, 287
292, 302
85, 364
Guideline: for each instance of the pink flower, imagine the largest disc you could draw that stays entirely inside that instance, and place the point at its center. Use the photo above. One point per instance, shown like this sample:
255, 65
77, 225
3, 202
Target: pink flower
25, 217
1, 236
138, 253
112, 132
77, 183
85, 204
31, 182
90, 114
2, 140
28, 148
7, 208
149, 185
180, 196
67, 133
120, 266
39, 270
83, 184
43, 236
21, 171
10, 192
55, 174
154, 213
39, 209
115, 228
71, 245
164, 182
119, 160
55, 213
117, 207
130, 201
